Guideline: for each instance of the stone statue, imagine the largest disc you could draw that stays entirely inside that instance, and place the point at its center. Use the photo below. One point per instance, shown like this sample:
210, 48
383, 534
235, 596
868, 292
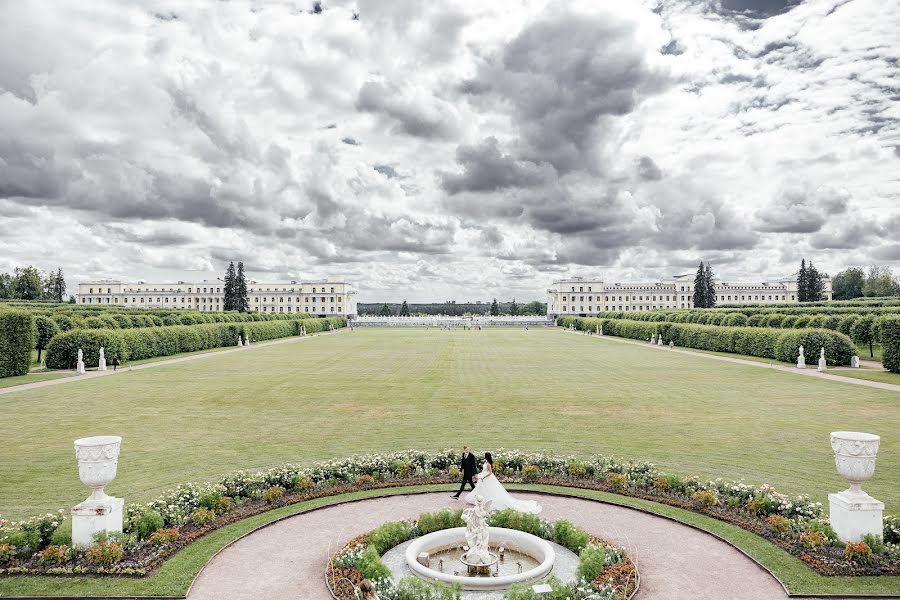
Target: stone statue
240, 342
476, 518
653, 339
659, 340
101, 364
823, 364
79, 366
801, 360
80, 355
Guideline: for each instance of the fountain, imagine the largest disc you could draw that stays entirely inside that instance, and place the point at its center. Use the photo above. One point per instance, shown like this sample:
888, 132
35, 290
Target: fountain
493, 558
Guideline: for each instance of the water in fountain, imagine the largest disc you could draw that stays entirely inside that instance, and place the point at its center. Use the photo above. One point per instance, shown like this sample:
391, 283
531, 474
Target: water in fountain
513, 562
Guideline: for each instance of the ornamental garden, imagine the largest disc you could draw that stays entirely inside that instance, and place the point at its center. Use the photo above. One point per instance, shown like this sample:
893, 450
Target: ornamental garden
231, 439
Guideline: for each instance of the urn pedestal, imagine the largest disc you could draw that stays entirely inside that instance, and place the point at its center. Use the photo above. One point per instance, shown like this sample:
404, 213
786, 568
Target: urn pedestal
854, 513
98, 459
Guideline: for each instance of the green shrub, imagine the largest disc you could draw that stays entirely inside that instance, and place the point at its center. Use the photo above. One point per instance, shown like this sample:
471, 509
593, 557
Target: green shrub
889, 333
838, 347
595, 558
202, 517
273, 494
147, 523
524, 591
53, 555
390, 535
512, 519
16, 341
567, 535
436, 521
104, 554
26, 542
45, 328
413, 588
163, 536
370, 565
62, 351
61, 537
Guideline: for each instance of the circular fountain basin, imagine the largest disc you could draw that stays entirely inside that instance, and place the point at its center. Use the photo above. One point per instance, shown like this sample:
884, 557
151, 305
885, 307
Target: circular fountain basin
516, 541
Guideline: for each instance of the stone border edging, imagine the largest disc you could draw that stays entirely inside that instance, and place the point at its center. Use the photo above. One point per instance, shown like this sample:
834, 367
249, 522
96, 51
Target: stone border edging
518, 489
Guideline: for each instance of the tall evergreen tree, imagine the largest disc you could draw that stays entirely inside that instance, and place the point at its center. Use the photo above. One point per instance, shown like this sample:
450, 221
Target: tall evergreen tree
802, 283
709, 280
385, 310
815, 283
700, 287
495, 308
59, 286
242, 302
229, 302
513, 308
404, 309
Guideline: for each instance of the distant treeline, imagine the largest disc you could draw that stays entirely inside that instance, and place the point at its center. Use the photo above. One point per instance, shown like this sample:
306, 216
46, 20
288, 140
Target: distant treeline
453, 309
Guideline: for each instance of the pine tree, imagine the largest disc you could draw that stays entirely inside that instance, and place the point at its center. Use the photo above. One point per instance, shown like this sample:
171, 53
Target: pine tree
700, 287
385, 310
229, 302
241, 302
802, 282
815, 283
59, 286
404, 309
709, 281
513, 308
495, 308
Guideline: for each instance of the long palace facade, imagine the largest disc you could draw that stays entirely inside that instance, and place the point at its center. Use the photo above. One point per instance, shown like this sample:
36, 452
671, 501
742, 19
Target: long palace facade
320, 298
584, 297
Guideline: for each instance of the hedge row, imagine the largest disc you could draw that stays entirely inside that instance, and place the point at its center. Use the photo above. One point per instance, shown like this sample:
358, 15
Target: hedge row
890, 341
776, 344
138, 344
16, 342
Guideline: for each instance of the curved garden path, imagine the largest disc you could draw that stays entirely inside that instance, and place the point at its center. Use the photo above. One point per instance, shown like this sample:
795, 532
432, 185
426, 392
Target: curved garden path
287, 559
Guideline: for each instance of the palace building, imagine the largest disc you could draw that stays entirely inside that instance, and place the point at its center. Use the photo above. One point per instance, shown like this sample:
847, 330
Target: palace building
583, 297
318, 298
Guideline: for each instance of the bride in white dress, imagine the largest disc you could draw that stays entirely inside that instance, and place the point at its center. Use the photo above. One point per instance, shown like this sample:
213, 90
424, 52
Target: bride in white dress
490, 488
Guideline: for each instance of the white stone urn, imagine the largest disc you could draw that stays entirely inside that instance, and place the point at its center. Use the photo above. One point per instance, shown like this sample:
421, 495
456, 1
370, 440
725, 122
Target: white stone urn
98, 458
854, 457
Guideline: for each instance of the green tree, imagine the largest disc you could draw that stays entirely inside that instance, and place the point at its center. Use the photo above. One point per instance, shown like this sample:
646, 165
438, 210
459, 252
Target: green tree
880, 282
802, 282
700, 288
385, 310
709, 281
863, 332
45, 329
404, 309
59, 286
7, 285
28, 284
241, 301
513, 308
848, 284
495, 308
230, 289
71, 299
815, 284
535, 307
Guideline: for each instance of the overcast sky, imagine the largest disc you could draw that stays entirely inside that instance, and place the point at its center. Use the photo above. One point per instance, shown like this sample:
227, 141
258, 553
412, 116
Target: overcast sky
437, 150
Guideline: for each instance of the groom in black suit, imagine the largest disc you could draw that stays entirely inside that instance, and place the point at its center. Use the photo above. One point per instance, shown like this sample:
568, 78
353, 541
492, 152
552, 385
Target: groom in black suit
467, 465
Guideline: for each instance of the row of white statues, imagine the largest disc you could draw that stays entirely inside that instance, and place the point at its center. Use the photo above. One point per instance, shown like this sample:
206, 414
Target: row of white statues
823, 364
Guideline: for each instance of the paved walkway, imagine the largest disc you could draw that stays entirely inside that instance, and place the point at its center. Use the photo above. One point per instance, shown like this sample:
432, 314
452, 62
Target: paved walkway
159, 363
287, 559
810, 371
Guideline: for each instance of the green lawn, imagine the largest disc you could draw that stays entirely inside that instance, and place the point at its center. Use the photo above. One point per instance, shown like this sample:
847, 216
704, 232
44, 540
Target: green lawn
381, 390
31, 378
863, 351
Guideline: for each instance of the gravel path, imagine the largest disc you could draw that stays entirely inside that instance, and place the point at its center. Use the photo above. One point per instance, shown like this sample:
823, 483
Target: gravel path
287, 560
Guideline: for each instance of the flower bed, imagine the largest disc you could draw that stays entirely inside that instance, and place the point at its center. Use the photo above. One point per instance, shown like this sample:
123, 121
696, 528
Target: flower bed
156, 530
604, 571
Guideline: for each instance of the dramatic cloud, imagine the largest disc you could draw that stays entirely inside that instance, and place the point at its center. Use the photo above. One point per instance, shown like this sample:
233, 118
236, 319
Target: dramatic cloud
435, 150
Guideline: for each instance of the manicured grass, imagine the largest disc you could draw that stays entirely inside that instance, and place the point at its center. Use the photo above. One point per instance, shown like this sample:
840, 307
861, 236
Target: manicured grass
864, 354
868, 375
382, 390
31, 378
176, 574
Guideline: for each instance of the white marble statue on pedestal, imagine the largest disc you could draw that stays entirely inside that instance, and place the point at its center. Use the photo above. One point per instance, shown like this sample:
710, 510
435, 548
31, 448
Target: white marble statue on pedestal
101, 365
653, 339
853, 513
854, 362
477, 533
659, 341
822, 363
247, 340
79, 365
240, 342
801, 360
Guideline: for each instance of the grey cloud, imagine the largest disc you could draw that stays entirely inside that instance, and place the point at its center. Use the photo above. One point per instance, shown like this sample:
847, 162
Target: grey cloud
350, 141
800, 211
846, 235
387, 170
648, 170
486, 168
887, 252
426, 117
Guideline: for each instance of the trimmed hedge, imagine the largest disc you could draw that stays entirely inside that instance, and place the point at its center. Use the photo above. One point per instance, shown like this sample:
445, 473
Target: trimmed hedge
16, 342
765, 342
150, 342
889, 328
